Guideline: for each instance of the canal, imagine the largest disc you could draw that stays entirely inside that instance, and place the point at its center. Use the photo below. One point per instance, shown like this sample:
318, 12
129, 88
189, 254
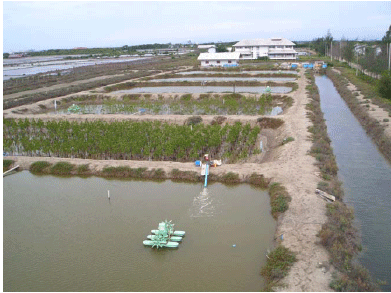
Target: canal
366, 178
63, 234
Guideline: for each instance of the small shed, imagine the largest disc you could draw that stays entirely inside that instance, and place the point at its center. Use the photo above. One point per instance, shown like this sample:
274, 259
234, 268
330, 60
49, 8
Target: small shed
219, 59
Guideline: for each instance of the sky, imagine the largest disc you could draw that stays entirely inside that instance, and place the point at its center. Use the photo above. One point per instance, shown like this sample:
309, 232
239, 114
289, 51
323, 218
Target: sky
42, 25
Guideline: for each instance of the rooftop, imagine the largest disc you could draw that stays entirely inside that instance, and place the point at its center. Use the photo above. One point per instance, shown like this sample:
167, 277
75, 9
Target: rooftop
265, 42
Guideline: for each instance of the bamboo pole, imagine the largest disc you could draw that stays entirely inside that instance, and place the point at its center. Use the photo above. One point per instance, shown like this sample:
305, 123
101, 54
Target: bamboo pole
6, 172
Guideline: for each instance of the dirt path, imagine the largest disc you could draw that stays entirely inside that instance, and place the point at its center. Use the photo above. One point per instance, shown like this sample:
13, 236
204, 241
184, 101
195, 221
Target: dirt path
374, 110
290, 165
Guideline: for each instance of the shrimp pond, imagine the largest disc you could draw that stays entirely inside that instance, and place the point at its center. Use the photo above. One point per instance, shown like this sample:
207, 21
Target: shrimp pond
63, 234
204, 89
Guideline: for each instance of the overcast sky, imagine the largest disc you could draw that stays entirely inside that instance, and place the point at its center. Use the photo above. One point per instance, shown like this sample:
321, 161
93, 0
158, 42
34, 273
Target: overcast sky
53, 25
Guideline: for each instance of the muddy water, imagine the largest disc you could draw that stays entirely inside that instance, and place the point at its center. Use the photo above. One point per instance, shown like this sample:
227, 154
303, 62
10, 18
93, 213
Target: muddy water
63, 234
366, 177
276, 79
204, 89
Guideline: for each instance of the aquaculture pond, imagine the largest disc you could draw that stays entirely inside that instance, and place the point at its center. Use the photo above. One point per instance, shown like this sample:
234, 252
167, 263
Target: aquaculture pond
366, 178
36, 65
204, 89
239, 72
206, 106
276, 79
63, 234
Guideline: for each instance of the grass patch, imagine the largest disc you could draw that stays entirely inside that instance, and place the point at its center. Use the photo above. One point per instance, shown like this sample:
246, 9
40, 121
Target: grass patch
7, 165
257, 180
273, 123
230, 178
278, 263
177, 175
279, 199
62, 168
286, 140
39, 167
82, 169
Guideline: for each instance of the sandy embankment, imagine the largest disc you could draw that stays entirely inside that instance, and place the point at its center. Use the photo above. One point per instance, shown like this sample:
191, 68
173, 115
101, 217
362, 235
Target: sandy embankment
374, 110
291, 166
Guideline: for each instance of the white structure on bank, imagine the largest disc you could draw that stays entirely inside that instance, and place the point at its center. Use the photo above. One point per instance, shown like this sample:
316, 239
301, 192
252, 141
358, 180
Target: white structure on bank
219, 59
211, 48
274, 48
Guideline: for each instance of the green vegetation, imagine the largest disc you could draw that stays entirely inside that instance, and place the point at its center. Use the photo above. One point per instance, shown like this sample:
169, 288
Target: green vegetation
279, 199
384, 87
321, 148
278, 263
7, 164
39, 167
288, 139
62, 168
341, 239
223, 104
273, 123
127, 140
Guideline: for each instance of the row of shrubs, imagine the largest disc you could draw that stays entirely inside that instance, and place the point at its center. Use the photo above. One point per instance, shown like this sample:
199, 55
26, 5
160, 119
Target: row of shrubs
66, 168
338, 235
372, 126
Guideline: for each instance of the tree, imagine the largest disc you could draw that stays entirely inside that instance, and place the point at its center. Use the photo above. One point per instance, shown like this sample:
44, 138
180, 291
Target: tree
387, 37
6, 55
348, 51
221, 48
384, 87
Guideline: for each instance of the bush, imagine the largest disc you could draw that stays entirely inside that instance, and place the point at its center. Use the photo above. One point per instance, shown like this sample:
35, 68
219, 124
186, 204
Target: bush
277, 265
288, 139
279, 199
193, 120
83, 169
230, 177
7, 164
384, 86
218, 120
62, 168
258, 180
39, 167
273, 123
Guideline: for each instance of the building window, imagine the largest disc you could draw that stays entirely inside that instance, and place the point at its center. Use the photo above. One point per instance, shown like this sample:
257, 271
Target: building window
229, 61
206, 62
218, 62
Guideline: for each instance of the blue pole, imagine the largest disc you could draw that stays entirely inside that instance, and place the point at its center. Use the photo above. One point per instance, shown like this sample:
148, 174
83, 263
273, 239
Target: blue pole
206, 175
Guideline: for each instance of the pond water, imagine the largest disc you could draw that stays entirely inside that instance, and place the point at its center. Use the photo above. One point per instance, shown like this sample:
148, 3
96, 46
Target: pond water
239, 72
366, 178
36, 66
204, 89
157, 108
63, 234
225, 79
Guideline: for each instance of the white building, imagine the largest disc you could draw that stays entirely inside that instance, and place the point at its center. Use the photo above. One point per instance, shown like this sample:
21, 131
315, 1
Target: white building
274, 48
211, 48
219, 59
